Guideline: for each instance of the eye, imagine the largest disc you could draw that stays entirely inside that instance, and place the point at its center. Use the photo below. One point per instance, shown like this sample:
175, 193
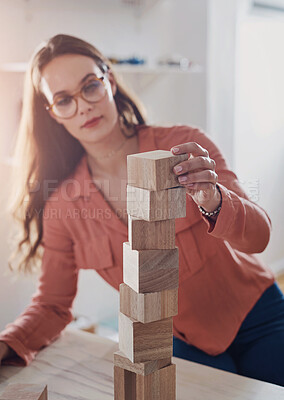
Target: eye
65, 101
91, 86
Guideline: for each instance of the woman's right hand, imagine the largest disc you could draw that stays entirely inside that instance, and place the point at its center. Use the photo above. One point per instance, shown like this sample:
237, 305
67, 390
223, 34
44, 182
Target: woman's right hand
5, 351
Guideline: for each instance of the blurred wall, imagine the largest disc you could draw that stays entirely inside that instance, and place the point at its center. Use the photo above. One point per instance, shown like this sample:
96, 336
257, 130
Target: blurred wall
259, 135
245, 88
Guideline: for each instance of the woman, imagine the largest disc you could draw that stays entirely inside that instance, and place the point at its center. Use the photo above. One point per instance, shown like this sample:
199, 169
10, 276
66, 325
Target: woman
78, 125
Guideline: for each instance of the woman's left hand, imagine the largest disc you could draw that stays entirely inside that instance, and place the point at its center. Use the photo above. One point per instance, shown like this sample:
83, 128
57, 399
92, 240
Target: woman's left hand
197, 175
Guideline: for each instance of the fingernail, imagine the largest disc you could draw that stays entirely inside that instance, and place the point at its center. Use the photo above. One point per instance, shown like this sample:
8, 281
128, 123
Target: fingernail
182, 178
175, 149
178, 169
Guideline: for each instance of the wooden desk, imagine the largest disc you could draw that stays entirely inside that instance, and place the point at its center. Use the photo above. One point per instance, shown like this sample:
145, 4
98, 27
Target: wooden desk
79, 366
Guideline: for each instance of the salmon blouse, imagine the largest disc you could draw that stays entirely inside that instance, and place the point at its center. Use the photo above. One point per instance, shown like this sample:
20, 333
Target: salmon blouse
220, 277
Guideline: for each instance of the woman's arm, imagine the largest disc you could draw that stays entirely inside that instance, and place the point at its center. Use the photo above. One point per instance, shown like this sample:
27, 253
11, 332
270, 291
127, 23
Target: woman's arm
241, 222
50, 309
5, 351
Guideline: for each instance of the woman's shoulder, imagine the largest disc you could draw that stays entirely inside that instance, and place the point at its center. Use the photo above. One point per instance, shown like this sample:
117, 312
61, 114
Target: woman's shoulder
166, 137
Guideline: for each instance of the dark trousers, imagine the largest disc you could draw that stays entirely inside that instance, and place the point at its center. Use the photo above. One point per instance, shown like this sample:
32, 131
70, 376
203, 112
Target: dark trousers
258, 349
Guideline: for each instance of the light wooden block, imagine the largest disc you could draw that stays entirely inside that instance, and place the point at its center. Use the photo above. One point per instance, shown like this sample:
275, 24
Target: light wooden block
158, 205
160, 385
155, 235
148, 307
124, 384
145, 342
24, 391
153, 170
148, 271
143, 368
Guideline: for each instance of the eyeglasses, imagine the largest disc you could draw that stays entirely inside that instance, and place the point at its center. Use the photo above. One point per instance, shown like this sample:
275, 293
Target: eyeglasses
66, 106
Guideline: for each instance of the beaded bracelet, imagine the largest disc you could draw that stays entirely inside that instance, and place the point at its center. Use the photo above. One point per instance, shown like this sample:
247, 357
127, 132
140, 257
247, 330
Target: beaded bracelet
212, 213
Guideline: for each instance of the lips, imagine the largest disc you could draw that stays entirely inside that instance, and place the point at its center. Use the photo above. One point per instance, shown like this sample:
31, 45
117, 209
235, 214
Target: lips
91, 122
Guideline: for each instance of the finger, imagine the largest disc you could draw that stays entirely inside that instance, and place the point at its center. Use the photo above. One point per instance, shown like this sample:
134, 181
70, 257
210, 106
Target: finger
190, 148
195, 163
198, 177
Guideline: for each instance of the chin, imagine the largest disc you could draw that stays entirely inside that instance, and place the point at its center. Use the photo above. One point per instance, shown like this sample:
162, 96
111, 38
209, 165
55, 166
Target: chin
94, 135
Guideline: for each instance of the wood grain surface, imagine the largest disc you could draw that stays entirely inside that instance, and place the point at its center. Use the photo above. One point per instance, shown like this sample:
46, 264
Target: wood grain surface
79, 366
145, 342
153, 205
153, 170
143, 368
148, 271
148, 307
159, 385
24, 391
156, 235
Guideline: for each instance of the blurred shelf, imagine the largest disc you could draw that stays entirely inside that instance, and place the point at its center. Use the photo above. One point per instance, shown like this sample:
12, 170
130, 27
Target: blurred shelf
156, 70
138, 77
122, 68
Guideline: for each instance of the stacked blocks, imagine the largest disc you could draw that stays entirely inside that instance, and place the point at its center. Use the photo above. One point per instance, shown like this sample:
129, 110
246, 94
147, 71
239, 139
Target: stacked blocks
149, 294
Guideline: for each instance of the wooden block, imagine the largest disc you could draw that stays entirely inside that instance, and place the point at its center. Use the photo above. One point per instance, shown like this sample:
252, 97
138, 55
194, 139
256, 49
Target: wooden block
160, 385
24, 391
148, 271
148, 307
158, 205
145, 342
153, 170
124, 384
143, 368
156, 235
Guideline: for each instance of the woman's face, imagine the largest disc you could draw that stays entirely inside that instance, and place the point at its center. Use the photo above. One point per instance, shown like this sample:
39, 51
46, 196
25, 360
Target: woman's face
66, 73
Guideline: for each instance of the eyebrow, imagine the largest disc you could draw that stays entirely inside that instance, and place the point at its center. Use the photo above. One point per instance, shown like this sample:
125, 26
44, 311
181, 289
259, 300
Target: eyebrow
82, 81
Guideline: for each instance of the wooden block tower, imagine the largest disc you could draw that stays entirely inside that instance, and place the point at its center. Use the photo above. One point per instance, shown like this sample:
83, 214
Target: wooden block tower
149, 295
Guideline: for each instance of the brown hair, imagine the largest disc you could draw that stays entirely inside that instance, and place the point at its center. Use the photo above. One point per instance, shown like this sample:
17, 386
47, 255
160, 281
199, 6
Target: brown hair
45, 150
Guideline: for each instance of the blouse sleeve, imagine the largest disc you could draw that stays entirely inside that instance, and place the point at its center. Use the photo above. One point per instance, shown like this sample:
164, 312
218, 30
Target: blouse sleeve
241, 222
50, 308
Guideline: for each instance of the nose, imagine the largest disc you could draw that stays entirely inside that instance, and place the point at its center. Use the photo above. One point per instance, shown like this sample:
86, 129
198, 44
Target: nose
83, 106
